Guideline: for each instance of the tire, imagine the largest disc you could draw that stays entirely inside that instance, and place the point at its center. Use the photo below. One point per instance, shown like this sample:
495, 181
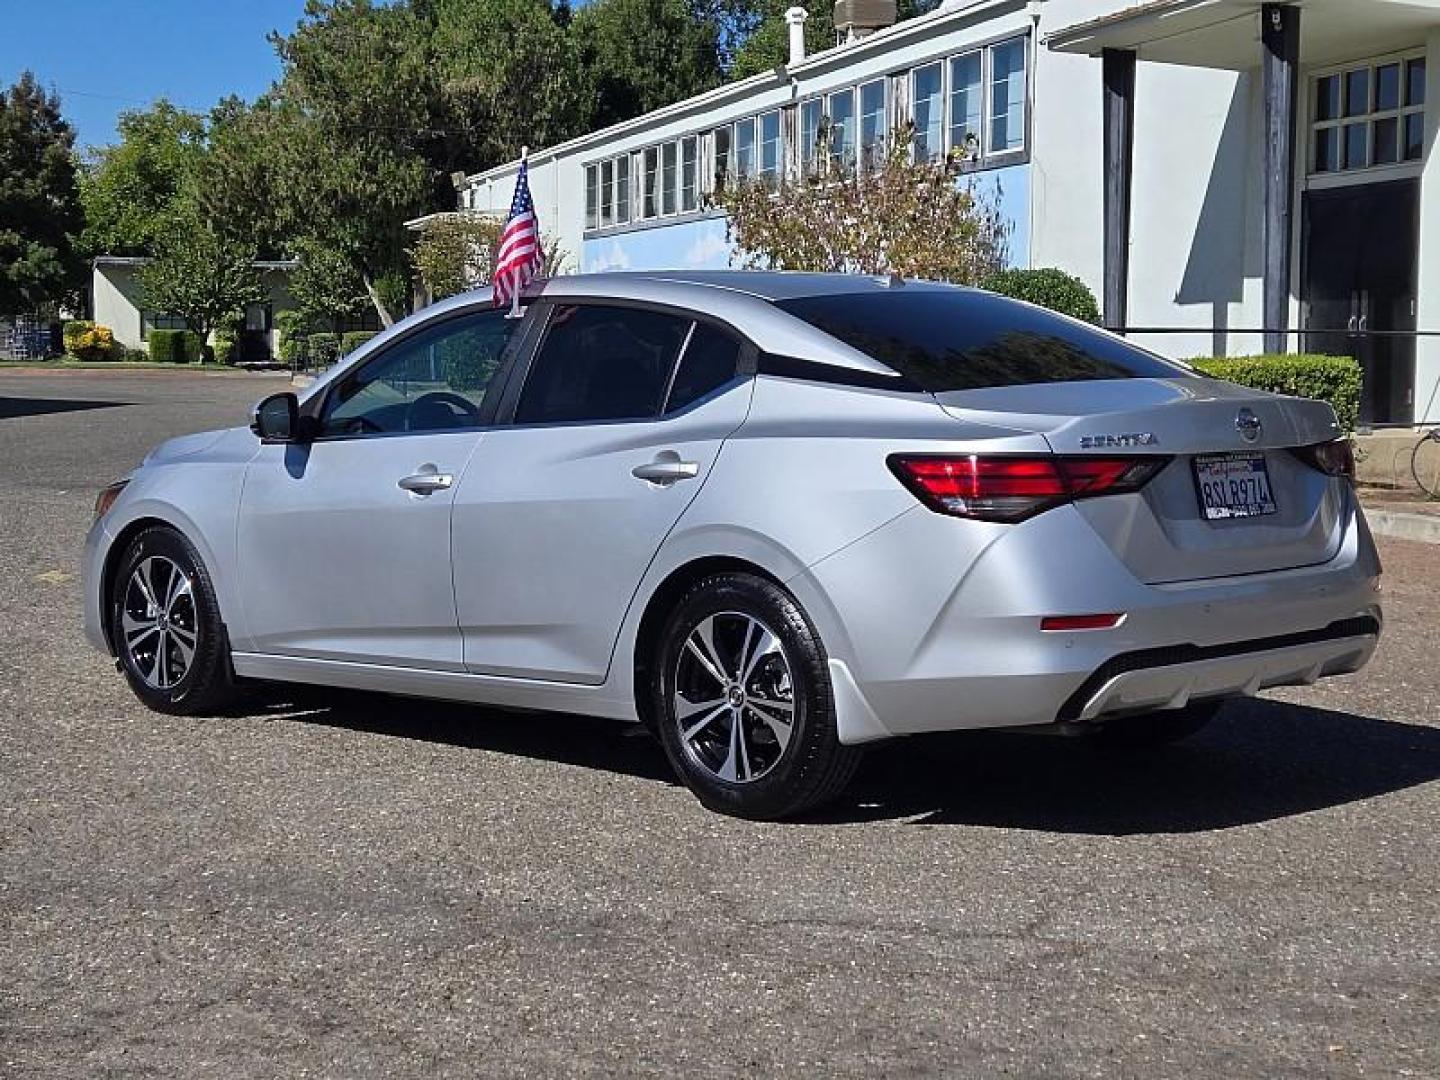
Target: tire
157, 618
1150, 730
774, 768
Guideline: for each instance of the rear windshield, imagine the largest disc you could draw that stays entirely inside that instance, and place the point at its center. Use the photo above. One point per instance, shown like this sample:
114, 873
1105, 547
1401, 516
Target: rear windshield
963, 340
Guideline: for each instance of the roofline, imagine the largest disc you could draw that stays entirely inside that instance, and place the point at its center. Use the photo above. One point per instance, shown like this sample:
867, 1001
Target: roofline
894, 35
1149, 11
142, 260
421, 223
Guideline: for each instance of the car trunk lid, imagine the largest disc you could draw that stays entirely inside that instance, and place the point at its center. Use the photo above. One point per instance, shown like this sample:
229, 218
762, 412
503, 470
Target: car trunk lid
1161, 532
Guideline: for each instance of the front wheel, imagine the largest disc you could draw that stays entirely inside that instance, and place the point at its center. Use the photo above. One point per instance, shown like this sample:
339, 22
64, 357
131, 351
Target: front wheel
166, 626
742, 693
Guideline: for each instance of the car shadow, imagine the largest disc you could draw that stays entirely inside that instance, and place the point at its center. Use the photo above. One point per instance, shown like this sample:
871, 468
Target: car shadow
1258, 761
12, 408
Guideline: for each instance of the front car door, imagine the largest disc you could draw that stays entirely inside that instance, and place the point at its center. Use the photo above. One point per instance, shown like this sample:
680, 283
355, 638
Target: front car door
345, 541
620, 417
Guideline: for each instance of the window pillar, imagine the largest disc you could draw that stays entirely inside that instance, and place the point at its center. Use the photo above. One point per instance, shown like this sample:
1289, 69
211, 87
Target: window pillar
1119, 112
1280, 46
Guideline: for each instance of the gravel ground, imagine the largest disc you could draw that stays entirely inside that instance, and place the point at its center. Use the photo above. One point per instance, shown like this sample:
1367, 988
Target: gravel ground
338, 885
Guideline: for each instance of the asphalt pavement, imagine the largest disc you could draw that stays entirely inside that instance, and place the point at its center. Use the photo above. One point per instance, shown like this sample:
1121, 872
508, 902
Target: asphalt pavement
352, 886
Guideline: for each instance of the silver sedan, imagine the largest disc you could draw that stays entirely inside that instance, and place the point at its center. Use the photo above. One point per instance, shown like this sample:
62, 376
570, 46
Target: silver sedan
772, 517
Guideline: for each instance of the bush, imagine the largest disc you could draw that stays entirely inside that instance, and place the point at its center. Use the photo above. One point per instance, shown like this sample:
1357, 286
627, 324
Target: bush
1331, 379
321, 350
293, 328
353, 339
174, 346
1048, 287
134, 356
226, 341
85, 340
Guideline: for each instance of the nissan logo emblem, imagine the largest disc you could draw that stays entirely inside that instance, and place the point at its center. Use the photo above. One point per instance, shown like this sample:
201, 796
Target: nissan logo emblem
1248, 424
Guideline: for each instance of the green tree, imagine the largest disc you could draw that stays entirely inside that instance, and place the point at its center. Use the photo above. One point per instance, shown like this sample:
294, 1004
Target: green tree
40, 212
200, 275
454, 253
639, 55
912, 218
131, 190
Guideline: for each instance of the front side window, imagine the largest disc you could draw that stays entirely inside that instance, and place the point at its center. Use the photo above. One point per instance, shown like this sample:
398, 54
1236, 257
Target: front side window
943, 340
929, 132
1007, 96
601, 363
435, 380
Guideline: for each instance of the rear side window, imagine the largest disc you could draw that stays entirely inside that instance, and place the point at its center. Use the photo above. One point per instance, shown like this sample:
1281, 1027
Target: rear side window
601, 363
943, 339
711, 359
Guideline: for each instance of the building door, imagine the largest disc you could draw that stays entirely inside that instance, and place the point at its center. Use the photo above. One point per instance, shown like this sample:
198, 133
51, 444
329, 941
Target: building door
1359, 250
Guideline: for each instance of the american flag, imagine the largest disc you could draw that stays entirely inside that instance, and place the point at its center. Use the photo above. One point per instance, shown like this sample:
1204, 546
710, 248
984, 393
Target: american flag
519, 258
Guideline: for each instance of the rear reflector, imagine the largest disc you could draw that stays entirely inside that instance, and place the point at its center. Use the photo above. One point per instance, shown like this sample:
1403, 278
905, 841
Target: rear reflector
1059, 623
1009, 489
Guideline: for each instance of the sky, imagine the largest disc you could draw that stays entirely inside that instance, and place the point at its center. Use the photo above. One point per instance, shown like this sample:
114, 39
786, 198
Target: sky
106, 56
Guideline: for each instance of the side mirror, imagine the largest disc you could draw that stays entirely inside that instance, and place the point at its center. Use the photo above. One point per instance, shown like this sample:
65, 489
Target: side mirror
277, 418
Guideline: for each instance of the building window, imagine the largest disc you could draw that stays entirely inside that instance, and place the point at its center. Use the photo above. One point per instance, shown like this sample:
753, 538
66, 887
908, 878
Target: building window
720, 140
607, 193
967, 100
667, 178
689, 168
160, 320
622, 190
810, 114
842, 128
745, 149
592, 212
872, 123
771, 150
1369, 116
1007, 96
650, 204
928, 107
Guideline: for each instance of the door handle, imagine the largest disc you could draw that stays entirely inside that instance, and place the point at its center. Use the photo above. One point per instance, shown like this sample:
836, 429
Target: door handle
666, 471
426, 482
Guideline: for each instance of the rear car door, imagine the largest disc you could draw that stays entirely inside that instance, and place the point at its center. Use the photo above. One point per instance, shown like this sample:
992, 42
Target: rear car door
345, 541
617, 424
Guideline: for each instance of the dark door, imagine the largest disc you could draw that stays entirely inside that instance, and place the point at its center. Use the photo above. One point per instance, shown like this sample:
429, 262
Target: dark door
1359, 288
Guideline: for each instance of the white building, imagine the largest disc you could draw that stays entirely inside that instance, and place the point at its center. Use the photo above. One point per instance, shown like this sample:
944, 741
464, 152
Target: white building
1231, 176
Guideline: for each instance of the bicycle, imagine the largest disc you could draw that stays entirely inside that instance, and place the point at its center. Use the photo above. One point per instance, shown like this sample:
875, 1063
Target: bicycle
1425, 463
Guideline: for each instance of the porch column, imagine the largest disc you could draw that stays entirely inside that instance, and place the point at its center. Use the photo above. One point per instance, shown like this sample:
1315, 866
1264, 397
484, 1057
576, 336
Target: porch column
1280, 41
1119, 112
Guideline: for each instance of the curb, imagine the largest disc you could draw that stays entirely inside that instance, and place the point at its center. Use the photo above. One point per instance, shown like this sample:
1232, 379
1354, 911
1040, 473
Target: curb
1423, 528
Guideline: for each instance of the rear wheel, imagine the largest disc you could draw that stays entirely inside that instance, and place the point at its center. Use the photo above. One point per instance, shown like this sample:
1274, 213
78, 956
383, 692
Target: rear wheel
744, 703
1157, 728
166, 626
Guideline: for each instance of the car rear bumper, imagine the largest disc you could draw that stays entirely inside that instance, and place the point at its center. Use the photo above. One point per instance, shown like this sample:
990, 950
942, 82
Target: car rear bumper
933, 624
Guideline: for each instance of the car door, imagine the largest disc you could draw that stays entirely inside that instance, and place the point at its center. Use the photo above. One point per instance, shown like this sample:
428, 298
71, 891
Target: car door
620, 417
345, 541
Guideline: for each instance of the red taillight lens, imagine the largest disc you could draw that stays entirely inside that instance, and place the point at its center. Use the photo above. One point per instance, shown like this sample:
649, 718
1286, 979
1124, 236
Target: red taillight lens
1000, 488
1335, 458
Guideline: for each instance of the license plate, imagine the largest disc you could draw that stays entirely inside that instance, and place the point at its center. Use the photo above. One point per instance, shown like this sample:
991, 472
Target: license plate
1233, 486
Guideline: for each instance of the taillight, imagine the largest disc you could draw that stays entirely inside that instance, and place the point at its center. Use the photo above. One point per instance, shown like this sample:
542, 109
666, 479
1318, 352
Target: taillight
1008, 489
1336, 458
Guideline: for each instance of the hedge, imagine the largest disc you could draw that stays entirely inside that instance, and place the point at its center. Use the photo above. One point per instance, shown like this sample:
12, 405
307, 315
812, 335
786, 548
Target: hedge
1048, 287
86, 340
226, 343
353, 339
174, 346
321, 350
1333, 379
